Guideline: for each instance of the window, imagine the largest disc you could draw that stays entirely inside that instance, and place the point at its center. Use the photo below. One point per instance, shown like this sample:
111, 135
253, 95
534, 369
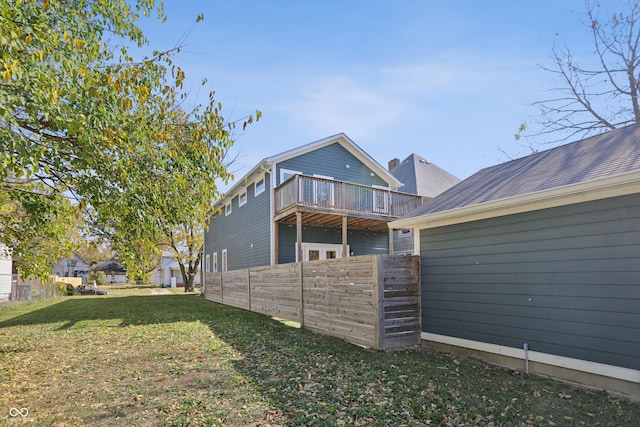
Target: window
207, 264
285, 174
215, 262
380, 199
227, 209
405, 232
224, 260
323, 191
259, 186
320, 251
243, 198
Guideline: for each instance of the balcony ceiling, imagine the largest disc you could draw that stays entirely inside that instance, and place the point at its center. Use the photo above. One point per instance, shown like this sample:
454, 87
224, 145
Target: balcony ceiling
333, 219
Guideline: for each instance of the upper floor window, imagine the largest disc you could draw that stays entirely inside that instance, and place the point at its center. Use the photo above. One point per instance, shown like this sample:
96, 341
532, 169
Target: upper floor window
259, 186
285, 174
227, 208
215, 262
208, 264
243, 198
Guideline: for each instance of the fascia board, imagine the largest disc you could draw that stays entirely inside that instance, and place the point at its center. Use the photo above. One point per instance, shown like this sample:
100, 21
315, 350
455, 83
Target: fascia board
264, 164
617, 185
350, 146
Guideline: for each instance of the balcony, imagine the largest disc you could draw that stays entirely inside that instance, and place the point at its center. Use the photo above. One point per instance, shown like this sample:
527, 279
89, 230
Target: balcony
324, 202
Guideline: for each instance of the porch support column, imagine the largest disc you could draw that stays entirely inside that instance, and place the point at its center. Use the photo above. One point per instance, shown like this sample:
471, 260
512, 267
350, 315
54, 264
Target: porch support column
299, 235
344, 236
391, 249
276, 246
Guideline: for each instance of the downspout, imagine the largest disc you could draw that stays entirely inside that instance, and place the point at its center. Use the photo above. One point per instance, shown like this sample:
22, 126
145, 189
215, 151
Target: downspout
272, 182
526, 357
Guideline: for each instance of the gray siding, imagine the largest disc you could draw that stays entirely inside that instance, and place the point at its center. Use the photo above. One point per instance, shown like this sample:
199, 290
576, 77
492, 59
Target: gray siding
402, 242
331, 161
564, 280
360, 242
244, 233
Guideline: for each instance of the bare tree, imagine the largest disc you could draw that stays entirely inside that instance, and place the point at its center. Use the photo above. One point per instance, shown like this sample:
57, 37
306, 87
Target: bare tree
604, 95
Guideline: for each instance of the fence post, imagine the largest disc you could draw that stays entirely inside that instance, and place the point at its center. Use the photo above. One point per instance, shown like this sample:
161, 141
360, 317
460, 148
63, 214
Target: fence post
249, 286
301, 281
221, 288
378, 271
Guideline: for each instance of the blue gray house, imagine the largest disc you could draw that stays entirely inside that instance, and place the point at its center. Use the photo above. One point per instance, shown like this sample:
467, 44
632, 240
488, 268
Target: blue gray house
422, 177
326, 199
535, 263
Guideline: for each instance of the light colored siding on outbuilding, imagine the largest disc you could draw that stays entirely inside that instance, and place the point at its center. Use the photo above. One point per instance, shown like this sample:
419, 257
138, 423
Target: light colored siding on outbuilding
565, 280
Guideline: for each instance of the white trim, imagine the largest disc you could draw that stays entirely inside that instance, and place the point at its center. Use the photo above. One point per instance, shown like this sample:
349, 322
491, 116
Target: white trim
385, 199
255, 185
244, 193
316, 193
272, 223
322, 248
287, 171
613, 186
225, 260
227, 208
350, 146
596, 368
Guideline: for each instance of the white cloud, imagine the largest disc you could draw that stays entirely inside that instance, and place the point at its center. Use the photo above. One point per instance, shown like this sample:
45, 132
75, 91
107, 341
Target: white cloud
347, 104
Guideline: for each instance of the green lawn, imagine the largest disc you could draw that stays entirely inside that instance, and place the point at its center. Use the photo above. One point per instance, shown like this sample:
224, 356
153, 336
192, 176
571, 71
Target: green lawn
139, 359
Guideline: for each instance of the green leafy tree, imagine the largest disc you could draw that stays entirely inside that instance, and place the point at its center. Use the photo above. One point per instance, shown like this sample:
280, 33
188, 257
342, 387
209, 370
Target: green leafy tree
39, 227
600, 96
85, 118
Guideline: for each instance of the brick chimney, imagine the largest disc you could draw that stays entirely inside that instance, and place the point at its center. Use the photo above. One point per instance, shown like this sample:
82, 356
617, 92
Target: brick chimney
393, 163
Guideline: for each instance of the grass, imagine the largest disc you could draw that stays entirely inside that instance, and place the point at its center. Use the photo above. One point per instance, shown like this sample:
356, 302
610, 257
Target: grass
140, 359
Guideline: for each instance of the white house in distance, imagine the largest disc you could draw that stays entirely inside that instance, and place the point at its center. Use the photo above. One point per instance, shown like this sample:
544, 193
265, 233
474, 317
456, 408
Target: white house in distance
72, 267
5, 273
168, 274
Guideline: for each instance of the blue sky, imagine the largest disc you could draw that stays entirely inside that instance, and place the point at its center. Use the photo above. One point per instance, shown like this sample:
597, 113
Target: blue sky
449, 80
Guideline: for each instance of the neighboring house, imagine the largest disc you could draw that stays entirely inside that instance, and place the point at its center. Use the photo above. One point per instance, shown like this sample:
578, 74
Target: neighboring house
421, 177
326, 199
114, 271
5, 273
72, 267
540, 257
168, 274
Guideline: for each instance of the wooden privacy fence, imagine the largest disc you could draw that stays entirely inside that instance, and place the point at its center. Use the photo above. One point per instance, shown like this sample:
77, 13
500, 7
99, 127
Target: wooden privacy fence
371, 300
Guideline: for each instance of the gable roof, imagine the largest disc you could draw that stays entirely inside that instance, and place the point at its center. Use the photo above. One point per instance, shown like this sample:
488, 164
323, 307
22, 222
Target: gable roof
339, 138
600, 166
421, 177
112, 266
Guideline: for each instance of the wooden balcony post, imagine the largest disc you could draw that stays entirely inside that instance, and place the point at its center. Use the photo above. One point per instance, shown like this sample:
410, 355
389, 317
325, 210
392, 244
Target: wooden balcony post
299, 257
344, 236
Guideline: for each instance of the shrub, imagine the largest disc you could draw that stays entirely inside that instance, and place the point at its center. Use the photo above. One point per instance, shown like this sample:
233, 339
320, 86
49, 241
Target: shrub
98, 276
65, 289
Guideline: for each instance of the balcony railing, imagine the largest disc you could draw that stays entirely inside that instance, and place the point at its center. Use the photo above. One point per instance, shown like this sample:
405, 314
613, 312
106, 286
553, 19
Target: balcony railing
302, 190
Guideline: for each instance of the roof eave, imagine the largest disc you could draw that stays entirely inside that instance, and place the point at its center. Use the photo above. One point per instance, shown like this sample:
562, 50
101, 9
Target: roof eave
613, 186
350, 145
264, 165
